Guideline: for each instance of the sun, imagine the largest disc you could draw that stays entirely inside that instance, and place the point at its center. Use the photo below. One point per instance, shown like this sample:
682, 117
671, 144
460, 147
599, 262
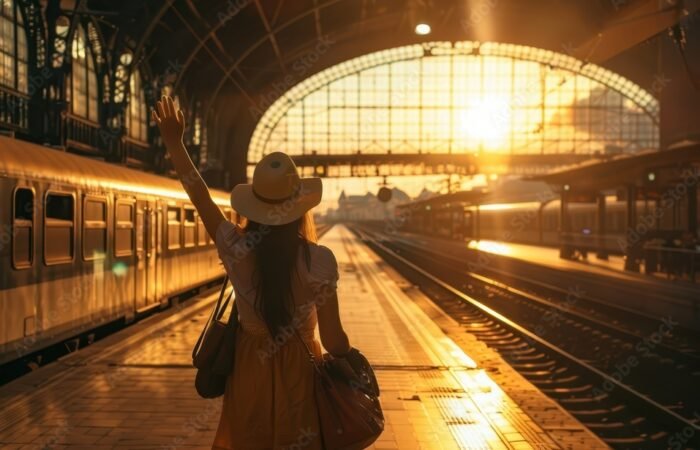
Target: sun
488, 121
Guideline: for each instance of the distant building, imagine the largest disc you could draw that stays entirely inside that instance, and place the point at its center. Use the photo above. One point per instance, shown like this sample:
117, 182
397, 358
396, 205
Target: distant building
367, 207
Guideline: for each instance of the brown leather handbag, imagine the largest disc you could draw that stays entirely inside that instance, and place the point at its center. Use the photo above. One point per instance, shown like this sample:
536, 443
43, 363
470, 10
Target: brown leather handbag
350, 413
214, 353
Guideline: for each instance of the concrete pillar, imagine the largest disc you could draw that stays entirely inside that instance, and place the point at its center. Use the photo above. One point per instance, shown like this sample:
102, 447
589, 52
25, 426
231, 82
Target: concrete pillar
601, 228
693, 209
633, 239
477, 224
566, 250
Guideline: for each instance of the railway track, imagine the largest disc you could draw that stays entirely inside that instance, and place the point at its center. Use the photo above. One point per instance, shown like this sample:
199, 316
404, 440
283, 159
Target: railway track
603, 372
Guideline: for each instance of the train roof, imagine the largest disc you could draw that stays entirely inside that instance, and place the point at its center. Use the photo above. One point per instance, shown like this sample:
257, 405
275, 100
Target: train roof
26, 160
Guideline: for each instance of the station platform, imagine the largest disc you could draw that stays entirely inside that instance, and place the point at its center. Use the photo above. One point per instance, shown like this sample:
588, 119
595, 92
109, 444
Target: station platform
441, 388
606, 281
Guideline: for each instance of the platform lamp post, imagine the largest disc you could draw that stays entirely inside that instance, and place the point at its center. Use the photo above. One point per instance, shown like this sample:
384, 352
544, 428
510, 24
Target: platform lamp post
601, 225
565, 250
632, 240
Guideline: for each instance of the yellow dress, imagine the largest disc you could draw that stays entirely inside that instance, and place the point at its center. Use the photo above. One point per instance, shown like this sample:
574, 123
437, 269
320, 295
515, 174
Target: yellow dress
269, 401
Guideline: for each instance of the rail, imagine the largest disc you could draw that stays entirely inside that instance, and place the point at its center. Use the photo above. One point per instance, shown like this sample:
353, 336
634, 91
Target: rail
644, 401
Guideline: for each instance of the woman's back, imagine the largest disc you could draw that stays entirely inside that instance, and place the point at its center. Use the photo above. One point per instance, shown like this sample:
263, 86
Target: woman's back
312, 283
269, 401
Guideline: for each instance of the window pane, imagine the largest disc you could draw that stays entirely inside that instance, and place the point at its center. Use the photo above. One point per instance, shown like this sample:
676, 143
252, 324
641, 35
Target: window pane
189, 216
123, 241
24, 204
174, 228
124, 230
23, 246
58, 244
201, 232
59, 207
94, 243
173, 214
125, 213
95, 210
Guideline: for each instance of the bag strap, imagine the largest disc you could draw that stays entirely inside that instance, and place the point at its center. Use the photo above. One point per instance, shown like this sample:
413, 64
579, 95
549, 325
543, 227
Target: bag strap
216, 314
308, 350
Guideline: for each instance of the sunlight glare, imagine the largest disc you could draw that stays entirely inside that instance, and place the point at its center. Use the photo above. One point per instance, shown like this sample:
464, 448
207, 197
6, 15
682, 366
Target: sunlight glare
488, 121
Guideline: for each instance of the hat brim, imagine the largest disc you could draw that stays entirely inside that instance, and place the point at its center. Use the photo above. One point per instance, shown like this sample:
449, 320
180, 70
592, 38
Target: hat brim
247, 204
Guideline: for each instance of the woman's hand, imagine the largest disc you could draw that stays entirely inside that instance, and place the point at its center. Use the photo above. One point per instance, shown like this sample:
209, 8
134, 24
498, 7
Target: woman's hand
170, 121
172, 127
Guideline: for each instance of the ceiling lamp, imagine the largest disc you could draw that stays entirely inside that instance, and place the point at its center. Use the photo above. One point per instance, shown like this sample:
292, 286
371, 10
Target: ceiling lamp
423, 29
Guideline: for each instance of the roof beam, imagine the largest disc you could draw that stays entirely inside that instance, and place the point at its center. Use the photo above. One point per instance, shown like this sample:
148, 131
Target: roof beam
261, 41
317, 20
271, 35
214, 58
631, 25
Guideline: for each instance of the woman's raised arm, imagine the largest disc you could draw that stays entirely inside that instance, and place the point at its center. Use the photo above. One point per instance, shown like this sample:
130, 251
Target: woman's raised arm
172, 126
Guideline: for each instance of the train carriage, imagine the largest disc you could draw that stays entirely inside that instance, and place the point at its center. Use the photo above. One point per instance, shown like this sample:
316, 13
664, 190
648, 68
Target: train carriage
532, 222
85, 243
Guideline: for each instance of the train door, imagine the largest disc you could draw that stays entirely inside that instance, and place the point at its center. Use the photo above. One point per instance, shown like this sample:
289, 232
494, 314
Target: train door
151, 254
145, 255
158, 249
468, 224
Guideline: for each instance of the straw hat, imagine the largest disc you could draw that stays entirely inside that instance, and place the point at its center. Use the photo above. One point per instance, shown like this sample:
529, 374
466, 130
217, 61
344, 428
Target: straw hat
277, 195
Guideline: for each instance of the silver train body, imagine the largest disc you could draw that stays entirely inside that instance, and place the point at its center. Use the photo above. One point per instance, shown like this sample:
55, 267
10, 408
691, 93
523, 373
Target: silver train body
535, 222
84, 243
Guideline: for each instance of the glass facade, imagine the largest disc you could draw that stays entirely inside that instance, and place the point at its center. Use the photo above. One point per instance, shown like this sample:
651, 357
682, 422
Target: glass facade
83, 94
463, 97
13, 48
136, 113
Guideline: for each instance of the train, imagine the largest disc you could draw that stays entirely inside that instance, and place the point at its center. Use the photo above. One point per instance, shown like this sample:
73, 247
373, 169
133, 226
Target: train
85, 243
537, 222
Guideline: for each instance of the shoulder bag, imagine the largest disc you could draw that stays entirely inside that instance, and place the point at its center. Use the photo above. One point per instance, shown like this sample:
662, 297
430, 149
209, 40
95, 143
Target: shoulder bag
214, 353
350, 413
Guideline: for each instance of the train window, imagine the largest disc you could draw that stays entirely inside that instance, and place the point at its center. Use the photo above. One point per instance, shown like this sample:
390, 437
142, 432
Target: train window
59, 227
190, 228
23, 229
94, 229
124, 229
201, 232
174, 221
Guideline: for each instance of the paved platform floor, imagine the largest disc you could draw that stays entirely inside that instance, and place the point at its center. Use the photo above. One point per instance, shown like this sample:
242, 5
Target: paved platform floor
133, 390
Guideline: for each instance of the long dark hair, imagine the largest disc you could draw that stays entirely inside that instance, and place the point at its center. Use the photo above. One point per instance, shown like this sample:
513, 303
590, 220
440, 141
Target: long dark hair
276, 249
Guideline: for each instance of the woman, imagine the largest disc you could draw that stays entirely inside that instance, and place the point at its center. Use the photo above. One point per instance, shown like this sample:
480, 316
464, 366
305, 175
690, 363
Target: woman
284, 284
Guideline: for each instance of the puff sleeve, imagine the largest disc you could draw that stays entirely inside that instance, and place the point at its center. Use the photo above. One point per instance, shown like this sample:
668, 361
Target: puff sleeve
231, 244
323, 273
